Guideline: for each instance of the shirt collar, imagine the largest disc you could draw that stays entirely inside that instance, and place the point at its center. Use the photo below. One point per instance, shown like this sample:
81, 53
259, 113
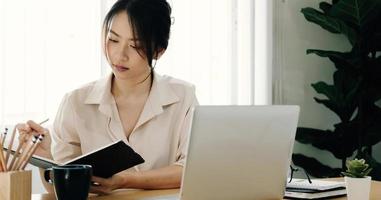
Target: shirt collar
161, 95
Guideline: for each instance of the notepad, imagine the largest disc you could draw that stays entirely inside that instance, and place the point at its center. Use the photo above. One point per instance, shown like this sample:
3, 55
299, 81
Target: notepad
105, 161
318, 189
317, 195
318, 185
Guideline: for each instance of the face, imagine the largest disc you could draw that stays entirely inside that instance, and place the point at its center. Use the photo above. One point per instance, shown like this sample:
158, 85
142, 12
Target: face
122, 50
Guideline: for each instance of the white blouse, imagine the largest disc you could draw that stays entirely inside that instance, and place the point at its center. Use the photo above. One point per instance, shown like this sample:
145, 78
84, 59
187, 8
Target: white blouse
88, 119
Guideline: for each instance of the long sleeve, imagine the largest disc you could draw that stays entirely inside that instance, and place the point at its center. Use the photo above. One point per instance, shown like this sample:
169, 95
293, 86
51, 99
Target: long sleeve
65, 140
184, 132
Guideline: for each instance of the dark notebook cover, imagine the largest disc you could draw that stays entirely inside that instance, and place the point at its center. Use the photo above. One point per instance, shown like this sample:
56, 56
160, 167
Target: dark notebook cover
105, 161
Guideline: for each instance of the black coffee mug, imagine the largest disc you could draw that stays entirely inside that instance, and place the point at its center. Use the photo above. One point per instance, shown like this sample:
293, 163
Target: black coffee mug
70, 181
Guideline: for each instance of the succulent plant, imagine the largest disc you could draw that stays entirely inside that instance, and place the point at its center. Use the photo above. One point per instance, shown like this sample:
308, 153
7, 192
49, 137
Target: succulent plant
357, 168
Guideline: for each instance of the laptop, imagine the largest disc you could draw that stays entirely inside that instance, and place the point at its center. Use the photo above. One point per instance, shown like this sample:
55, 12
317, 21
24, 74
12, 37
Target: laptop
238, 152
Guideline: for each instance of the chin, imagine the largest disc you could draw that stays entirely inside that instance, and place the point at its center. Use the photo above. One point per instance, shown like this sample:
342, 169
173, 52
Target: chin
126, 75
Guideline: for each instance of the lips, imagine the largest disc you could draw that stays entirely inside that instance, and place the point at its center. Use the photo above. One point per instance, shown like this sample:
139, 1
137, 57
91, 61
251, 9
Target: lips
121, 68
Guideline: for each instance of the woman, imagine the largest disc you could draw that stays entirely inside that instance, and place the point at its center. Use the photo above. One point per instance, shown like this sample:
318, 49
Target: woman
151, 113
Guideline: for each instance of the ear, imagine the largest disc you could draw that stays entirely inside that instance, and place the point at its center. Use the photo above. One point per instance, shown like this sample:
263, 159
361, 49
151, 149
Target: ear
159, 54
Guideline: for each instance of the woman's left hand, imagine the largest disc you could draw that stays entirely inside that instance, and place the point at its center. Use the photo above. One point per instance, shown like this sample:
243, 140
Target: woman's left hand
105, 185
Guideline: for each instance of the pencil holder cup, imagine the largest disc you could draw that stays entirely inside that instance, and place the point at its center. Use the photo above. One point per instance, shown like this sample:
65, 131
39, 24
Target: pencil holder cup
16, 185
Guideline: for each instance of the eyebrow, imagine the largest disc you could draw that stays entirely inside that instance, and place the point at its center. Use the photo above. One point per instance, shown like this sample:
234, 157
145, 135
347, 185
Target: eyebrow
113, 32
132, 39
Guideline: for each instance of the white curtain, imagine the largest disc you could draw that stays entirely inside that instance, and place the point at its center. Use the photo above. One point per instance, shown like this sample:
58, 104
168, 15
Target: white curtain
49, 47
211, 46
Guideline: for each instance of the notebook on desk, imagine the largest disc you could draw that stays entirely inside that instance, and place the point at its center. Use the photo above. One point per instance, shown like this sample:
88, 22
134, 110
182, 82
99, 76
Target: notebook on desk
238, 152
315, 195
318, 185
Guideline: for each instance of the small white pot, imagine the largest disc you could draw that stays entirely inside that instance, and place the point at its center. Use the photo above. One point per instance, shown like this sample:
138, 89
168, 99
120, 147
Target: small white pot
358, 188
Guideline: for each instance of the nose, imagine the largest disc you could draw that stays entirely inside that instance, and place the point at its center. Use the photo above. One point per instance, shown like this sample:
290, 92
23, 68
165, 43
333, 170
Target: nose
122, 54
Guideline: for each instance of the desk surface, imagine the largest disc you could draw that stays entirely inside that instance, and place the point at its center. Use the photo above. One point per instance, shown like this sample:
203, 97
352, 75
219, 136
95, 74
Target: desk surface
143, 194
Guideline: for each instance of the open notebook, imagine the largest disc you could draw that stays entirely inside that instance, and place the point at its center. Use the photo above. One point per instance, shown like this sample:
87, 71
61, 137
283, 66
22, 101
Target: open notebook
105, 161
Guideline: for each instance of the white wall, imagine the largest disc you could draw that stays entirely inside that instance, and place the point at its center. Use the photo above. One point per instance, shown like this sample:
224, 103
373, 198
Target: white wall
294, 71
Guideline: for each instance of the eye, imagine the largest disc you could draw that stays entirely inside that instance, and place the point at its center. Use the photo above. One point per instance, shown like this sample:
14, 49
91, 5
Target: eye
134, 47
111, 40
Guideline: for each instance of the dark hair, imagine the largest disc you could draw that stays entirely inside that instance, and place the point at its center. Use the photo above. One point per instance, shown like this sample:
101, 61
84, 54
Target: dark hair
150, 21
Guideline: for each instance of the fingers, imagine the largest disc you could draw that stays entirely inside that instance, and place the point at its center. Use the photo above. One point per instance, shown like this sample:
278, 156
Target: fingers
99, 190
23, 127
100, 185
24, 130
36, 127
98, 180
29, 129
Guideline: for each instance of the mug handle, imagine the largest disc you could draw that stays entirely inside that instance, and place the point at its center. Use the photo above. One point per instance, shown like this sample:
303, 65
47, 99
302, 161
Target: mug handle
47, 175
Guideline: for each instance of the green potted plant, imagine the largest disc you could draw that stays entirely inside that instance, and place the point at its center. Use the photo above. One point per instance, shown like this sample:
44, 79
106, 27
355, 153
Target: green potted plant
357, 180
355, 92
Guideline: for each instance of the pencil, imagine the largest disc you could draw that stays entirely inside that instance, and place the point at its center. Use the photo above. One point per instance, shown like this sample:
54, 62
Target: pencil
1, 168
17, 153
31, 152
4, 136
10, 146
44, 121
23, 154
15, 161
2, 160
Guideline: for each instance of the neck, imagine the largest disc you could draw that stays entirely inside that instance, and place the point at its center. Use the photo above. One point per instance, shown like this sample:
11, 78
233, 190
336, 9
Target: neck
131, 87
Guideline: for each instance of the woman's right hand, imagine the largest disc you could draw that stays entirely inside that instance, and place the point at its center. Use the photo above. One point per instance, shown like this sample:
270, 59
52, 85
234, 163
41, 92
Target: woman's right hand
31, 128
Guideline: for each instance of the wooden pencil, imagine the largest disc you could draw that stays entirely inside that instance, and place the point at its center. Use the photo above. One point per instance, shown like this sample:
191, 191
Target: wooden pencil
31, 152
10, 146
22, 145
1, 168
4, 135
2, 160
17, 153
23, 154
24, 157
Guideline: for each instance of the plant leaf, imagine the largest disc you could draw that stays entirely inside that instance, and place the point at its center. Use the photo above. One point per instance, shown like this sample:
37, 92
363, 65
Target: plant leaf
341, 60
376, 166
340, 101
325, 7
333, 106
377, 40
373, 73
373, 127
323, 88
348, 174
314, 167
357, 12
347, 90
329, 23
328, 140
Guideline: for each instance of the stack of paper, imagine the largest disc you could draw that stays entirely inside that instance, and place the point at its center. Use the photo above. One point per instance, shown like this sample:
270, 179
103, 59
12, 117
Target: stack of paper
302, 189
